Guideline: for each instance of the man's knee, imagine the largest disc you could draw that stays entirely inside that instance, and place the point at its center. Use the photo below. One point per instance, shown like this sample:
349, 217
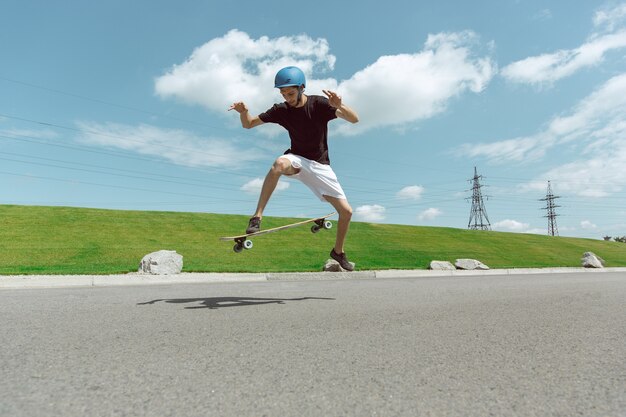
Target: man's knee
282, 166
346, 211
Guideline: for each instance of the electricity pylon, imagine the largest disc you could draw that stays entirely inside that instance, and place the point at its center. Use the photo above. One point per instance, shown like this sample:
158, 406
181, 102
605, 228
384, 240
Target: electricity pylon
550, 206
478, 215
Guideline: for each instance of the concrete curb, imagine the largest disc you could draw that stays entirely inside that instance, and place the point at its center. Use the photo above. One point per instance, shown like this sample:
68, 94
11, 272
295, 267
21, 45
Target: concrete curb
51, 281
65, 281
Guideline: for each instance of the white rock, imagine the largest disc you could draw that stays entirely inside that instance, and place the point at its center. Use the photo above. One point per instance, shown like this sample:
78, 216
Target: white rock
470, 264
591, 260
163, 262
442, 266
333, 266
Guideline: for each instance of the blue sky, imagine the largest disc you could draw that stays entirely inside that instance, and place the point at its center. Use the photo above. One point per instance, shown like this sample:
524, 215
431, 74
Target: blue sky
123, 105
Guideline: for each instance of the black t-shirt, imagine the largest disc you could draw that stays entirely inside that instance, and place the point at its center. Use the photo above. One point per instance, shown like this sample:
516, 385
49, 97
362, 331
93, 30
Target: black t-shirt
307, 126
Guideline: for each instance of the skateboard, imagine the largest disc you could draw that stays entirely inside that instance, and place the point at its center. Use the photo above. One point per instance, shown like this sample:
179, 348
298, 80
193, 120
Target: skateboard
242, 242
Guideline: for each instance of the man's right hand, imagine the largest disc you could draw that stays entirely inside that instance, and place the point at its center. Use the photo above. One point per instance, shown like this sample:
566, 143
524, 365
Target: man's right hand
239, 107
247, 121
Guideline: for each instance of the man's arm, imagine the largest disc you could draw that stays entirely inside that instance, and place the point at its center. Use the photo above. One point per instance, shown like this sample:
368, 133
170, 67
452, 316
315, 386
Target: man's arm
343, 111
247, 121
346, 113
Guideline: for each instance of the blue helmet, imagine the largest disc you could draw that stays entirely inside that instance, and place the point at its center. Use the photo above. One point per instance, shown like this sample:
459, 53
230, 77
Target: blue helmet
289, 77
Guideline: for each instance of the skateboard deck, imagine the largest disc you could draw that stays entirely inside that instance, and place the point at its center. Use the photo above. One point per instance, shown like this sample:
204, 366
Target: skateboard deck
242, 242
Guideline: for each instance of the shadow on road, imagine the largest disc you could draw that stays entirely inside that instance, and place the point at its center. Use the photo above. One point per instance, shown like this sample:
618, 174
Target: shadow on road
219, 302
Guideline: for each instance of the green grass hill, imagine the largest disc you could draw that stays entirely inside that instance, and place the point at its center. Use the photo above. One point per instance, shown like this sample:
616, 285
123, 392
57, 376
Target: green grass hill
64, 240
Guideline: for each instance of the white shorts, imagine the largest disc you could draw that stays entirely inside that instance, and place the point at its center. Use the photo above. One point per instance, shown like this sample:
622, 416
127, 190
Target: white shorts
320, 178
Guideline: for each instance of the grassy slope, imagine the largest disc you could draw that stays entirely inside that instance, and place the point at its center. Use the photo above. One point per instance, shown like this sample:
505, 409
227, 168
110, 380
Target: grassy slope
62, 240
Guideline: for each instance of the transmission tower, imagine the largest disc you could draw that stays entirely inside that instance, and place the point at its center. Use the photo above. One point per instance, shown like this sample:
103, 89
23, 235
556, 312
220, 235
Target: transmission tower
478, 215
550, 206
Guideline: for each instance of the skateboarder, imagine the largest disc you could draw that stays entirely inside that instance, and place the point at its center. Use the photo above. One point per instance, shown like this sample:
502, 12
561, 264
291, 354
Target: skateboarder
305, 117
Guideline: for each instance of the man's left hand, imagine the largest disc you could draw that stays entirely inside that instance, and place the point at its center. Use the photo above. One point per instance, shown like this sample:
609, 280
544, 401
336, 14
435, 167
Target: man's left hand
333, 99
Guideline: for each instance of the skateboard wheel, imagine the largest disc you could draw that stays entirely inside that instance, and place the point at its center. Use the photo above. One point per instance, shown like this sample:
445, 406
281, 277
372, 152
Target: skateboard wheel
248, 244
328, 224
315, 228
238, 247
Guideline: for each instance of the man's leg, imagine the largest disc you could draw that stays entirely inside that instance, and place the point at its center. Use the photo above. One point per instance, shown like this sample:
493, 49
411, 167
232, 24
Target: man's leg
282, 166
345, 215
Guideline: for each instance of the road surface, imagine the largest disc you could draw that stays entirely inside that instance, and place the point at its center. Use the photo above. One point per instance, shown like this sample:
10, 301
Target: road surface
544, 345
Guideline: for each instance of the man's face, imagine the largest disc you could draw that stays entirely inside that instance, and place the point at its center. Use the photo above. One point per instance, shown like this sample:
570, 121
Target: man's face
290, 94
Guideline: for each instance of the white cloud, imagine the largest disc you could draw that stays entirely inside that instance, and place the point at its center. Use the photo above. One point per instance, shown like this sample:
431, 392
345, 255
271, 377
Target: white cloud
587, 225
393, 91
597, 177
429, 214
412, 192
370, 213
236, 67
544, 14
178, 146
510, 225
31, 133
610, 18
595, 129
547, 68
254, 186
400, 89
518, 149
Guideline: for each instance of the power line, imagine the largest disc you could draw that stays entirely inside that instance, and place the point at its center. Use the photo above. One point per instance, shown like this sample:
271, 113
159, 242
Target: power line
94, 132
125, 138
355, 190
108, 103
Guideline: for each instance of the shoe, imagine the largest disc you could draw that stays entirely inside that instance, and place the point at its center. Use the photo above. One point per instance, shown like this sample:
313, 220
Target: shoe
254, 225
342, 259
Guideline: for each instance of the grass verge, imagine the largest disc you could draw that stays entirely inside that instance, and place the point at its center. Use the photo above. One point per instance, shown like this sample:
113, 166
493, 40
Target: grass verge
66, 240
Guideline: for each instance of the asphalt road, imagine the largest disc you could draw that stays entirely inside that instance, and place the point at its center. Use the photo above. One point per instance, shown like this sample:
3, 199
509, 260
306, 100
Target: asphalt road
529, 345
